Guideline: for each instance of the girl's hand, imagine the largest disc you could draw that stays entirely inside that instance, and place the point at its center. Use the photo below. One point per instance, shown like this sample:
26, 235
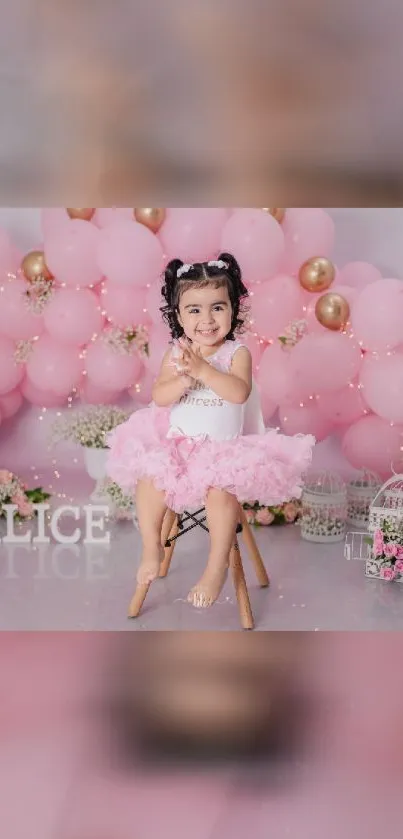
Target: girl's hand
193, 363
186, 380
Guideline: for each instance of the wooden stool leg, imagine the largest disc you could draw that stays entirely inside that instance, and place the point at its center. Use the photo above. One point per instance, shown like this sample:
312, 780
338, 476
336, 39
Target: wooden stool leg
169, 552
138, 600
253, 551
245, 609
169, 523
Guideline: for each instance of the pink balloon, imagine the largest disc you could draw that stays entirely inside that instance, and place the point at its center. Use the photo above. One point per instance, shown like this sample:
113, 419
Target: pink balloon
129, 254
382, 382
323, 363
54, 367
142, 392
124, 306
41, 398
71, 254
256, 347
73, 316
343, 407
158, 345
154, 301
275, 305
10, 256
274, 374
105, 216
11, 373
310, 301
11, 403
16, 321
193, 233
359, 275
377, 315
373, 443
268, 407
90, 394
257, 241
110, 370
53, 219
309, 232
304, 418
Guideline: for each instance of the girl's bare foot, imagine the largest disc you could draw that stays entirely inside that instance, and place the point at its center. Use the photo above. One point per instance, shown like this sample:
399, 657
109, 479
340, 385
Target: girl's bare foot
150, 565
208, 590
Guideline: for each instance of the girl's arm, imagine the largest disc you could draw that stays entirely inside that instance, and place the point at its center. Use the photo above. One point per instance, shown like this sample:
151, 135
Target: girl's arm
235, 386
170, 385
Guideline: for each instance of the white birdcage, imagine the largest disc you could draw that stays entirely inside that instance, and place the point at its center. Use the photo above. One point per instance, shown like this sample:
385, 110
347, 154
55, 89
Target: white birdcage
360, 495
387, 504
386, 527
324, 508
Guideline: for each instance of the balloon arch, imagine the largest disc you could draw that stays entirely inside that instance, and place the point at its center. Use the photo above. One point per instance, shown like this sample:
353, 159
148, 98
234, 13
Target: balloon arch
80, 319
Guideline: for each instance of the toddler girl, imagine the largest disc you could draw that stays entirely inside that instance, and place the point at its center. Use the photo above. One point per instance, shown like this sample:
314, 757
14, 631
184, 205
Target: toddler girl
188, 449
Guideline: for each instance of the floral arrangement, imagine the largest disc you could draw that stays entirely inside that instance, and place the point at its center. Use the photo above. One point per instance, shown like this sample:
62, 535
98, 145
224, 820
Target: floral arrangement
293, 334
323, 523
89, 427
14, 491
127, 341
38, 295
358, 511
387, 552
260, 516
122, 503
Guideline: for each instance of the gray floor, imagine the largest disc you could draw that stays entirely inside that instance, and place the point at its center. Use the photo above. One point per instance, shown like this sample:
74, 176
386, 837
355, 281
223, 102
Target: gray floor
89, 588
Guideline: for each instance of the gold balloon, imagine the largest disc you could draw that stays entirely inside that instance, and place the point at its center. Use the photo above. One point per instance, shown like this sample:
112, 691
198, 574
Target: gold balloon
333, 311
277, 212
317, 275
151, 217
83, 213
34, 266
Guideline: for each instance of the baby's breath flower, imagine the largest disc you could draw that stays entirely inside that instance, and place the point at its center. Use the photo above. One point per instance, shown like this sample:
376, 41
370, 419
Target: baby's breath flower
127, 341
38, 295
89, 427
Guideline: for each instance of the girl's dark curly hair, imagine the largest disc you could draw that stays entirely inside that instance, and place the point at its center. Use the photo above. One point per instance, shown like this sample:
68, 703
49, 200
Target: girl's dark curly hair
200, 275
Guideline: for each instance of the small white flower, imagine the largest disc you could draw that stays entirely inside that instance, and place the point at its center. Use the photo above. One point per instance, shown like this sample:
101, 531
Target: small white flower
218, 263
184, 270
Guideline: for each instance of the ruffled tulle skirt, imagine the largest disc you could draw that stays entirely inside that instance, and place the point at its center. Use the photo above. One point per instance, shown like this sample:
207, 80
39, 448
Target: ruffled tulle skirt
268, 468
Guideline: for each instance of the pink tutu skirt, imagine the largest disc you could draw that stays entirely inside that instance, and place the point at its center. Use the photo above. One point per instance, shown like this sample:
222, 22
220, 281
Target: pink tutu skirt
268, 468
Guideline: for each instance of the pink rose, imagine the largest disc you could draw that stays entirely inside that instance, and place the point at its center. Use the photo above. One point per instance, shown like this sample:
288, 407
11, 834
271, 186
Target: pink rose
390, 550
25, 509
264, 517
399, 566
378, 543
18, 498
5, 476
290, 512
388, 574
399, 554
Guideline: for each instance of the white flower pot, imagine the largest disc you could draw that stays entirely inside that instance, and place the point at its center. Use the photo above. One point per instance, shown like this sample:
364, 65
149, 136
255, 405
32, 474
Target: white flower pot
95, 462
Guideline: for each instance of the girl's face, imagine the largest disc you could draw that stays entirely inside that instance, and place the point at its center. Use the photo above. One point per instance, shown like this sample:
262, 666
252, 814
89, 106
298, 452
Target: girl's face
205, 315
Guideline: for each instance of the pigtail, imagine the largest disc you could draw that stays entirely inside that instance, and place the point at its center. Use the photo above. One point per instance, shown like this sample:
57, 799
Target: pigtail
234, 273
171, 280
170, 294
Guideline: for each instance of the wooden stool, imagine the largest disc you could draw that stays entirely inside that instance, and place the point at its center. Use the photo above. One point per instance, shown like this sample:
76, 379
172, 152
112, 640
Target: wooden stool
175, 526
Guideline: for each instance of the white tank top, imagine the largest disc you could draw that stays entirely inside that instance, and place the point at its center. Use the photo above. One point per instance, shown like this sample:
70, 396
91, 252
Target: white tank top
201, 413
